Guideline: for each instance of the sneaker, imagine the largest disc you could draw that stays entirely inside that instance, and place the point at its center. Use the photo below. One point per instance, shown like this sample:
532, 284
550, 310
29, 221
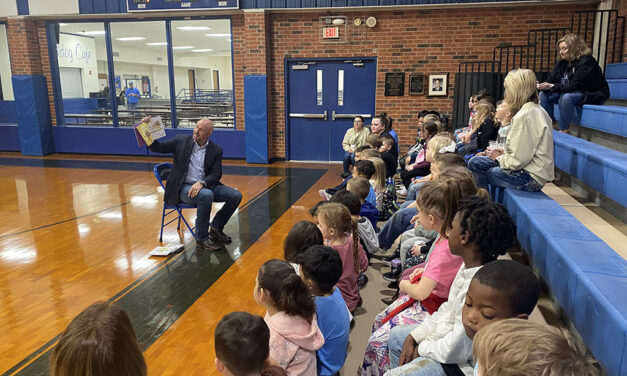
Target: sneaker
392, 276
402, 191
388, 259
325, 196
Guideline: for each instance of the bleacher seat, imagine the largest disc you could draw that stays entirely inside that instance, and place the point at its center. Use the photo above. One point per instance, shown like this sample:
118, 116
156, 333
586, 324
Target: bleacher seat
608, 119
599, 167
616, 76
586, 276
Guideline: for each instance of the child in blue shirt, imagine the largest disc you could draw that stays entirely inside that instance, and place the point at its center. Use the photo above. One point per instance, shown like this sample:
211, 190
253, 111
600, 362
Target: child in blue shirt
320, 269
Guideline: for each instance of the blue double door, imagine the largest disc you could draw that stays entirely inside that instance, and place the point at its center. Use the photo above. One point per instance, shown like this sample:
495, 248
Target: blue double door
324, 96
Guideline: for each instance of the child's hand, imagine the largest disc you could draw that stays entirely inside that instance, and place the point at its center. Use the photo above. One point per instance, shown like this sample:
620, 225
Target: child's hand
415, 250
410, 351
494, 153
481, 154
409, 168
416, 271
146, 119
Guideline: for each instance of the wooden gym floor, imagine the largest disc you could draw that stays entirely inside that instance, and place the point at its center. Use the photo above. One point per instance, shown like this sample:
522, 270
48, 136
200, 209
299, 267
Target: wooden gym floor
76, 229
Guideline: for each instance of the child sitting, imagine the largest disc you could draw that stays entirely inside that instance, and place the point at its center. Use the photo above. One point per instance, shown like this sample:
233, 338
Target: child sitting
481, 231
290, 315
504, 115
302, 235
359, 155
320, 269
378, 181
388, 157
367, 235
483, 130
437, 204
421, 166
241, 343
100, 341
519, 348
340, 232
361, 188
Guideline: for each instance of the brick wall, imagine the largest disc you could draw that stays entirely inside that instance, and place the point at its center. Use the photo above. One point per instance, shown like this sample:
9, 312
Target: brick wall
412, 41
621, 5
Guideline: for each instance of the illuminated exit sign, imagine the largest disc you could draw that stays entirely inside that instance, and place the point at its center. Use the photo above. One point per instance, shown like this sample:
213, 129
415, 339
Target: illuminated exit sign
331, 32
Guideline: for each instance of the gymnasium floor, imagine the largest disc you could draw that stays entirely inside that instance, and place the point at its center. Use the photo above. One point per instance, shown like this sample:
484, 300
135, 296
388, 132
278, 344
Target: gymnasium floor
76, 229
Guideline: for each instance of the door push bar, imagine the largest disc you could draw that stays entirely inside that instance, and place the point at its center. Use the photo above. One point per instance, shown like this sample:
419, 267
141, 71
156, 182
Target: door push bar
310, 116
347, 116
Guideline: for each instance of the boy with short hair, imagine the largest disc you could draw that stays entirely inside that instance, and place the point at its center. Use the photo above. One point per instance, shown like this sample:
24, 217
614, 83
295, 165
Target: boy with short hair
388, 156
367, 235
320, 269
363, 172
518, 348
499, 290
361, 188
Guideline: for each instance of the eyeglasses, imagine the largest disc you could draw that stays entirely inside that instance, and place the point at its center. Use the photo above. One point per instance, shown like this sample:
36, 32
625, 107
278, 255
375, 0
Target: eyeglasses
357, 121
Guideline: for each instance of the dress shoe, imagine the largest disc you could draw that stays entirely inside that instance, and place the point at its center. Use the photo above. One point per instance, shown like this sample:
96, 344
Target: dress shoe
344, 175
208, 245
219, 236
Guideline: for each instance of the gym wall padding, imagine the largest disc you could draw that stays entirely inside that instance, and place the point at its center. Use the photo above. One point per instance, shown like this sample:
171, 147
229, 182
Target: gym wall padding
33, 114
256, 117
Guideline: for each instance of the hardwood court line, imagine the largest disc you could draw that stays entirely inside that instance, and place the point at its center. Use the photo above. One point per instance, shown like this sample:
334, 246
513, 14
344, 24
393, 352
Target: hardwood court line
39, 361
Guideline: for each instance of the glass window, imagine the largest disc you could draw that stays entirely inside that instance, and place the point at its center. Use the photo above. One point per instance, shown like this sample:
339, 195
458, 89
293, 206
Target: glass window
82, 58
6, 87
141, 70
203, 71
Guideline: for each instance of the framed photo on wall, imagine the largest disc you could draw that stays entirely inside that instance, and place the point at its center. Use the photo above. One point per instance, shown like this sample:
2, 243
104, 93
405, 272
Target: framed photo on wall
416, 84
438, 84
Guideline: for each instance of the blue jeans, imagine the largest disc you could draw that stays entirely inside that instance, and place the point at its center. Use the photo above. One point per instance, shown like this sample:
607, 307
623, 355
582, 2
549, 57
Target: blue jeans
131, 106
567, 103
396, 341
349, 159
487, 171
203, 202
395, 226
412, 192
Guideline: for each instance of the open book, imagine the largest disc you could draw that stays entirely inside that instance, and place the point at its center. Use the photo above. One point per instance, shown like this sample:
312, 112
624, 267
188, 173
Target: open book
146, 133
166, 250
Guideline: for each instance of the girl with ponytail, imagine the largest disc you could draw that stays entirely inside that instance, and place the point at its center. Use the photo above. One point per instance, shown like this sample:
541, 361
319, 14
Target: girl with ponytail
242, 346
339, 231
428, 286
290, 315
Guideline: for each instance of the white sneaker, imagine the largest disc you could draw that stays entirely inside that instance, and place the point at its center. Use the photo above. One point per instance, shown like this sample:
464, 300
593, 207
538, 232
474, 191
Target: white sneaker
402, 191
325, 196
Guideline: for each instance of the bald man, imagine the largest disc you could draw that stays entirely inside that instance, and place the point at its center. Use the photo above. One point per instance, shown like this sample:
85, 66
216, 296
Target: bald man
195, 180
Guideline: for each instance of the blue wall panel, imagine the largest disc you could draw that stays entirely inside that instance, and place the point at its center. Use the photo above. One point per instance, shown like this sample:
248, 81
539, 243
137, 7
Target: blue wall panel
256, 117
8, 113
101, 6
33, 114
22, 7
9, 138
121, 141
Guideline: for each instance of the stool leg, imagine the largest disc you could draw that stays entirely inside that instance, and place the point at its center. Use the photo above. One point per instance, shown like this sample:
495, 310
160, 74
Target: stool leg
162, 220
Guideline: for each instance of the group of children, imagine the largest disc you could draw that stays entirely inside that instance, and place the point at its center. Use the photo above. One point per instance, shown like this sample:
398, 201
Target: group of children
459, 311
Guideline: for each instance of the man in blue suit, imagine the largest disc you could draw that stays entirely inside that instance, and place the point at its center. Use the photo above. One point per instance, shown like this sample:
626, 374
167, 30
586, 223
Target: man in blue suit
195, 180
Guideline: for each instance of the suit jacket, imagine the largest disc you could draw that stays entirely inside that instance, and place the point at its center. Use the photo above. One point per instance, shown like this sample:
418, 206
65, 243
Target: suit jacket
182, 147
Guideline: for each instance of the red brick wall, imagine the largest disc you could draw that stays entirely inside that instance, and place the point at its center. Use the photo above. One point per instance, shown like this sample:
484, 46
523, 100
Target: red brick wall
412, 41
621, 5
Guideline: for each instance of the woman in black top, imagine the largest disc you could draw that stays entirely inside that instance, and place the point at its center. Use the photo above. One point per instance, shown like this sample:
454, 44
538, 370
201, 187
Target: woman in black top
576, 79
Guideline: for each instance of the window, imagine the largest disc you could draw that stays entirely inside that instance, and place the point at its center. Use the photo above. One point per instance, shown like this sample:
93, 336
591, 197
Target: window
6, 87
141, 70
82, 58
203, 71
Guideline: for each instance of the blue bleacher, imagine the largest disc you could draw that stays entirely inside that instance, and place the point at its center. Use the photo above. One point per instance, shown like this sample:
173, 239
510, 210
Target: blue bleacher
586, 276
616, 75
599, 167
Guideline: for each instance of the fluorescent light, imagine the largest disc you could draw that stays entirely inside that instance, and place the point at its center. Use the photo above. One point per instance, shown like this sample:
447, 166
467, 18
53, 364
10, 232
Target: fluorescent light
126, 39
157, 44
203, 50
94, 32
218, 35
182, 47
62, 24
192, 28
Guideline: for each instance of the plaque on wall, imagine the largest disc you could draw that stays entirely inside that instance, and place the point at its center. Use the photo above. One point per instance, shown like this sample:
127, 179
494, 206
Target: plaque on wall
416, 84
395, 84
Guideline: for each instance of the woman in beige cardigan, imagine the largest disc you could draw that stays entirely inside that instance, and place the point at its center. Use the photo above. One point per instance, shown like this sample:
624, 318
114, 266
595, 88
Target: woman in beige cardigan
354, 138
527, 161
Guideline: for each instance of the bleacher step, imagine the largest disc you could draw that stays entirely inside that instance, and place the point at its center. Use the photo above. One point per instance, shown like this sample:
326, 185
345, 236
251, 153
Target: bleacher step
613, 237
618, 70
618, 88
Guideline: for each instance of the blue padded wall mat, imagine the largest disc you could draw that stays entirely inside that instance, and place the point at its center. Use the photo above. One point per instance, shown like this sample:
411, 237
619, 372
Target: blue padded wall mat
33, 114
256, 118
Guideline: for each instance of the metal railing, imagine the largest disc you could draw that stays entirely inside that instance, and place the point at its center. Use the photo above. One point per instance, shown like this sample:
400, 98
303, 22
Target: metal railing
205, 96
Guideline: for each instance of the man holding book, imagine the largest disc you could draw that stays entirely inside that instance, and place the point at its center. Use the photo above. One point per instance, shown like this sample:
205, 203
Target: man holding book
195, 180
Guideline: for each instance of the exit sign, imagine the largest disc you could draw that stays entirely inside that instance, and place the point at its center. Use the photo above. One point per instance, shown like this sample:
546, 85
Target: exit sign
331, 32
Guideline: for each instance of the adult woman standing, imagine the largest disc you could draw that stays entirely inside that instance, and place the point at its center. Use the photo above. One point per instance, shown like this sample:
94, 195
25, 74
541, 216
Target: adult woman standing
354, 138
576, 79
527, 161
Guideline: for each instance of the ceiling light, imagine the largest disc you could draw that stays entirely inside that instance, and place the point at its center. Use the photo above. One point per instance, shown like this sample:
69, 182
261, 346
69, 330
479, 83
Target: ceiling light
203, 50
94, 32
157, 44
182, 47
192, 28
126, 39
62, 24
218, 35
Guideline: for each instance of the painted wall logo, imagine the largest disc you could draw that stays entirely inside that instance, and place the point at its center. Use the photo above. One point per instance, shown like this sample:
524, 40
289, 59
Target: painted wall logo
74, 52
